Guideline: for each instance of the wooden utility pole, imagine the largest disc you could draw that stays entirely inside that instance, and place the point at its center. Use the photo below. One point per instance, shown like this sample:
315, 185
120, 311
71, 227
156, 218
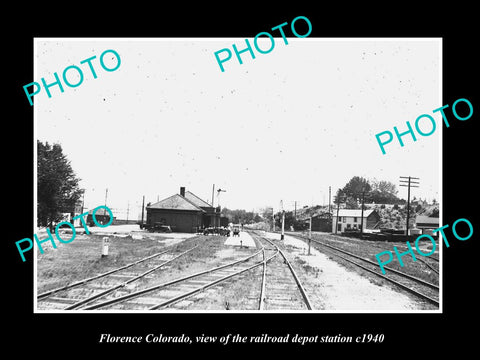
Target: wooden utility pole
339, 198
361, 221
338, 209
273, 219
106, 193
282, 234
329, 198
83, 201
213, 193
309, 235
408, 183
143, 207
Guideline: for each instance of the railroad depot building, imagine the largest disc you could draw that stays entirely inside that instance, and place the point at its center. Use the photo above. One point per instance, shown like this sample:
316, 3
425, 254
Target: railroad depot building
184, 212
350, 219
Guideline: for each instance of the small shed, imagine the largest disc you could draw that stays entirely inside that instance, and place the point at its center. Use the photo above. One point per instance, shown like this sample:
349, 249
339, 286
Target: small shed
322, 222
101, 215
427, 224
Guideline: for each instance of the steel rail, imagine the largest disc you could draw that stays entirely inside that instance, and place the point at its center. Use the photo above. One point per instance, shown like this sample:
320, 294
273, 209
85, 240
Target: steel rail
261, 303
411, 277
403, 286
116, 287
210, 284
428, 265
80, 282
297, 280
160, 286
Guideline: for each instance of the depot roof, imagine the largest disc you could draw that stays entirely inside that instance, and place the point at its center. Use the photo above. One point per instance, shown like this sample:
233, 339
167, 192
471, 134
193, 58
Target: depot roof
196, 200
175, 202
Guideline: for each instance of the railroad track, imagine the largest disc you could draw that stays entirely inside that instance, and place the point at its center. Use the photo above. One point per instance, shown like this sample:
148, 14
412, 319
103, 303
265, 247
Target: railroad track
431, 262
422, 289
170, 293
118, 280
280, 287
285, 291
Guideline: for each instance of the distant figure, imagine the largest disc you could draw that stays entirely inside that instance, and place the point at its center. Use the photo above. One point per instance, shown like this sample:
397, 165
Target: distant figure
242, 226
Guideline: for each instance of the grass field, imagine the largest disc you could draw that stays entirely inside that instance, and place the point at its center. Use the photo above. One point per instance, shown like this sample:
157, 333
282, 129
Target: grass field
82, 258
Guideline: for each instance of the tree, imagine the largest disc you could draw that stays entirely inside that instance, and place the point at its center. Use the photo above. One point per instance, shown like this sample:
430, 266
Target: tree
267, 214
353, 190
384, 192
57, 185
356, 186
241, 216
290, 221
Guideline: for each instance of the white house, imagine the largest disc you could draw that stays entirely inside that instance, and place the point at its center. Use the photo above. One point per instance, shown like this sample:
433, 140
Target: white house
352, 219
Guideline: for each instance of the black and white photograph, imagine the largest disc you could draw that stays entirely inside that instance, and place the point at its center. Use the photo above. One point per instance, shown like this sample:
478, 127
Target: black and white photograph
280, 181
259, 188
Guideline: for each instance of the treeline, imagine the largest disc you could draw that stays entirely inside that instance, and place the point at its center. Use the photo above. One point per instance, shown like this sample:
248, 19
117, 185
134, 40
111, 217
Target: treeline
241, 216
378, 191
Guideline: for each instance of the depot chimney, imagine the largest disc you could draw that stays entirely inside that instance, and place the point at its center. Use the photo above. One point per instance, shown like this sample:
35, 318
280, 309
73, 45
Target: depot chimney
182, 191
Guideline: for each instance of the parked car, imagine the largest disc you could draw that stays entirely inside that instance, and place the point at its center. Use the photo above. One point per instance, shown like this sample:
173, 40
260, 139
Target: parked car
160, 228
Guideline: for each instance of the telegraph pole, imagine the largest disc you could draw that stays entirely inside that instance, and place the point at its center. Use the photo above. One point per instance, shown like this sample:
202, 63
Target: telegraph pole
361, 221
338, 209
218, 195
282, 235
408, 183
83, 200
309, 234
213, 192
273, 219
329, 198
218, 205
143, 207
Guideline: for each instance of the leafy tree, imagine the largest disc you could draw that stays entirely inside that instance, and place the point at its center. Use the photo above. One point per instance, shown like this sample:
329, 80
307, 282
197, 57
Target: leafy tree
356, 186
267, 214
57, 184
384, 192
290, 221
240, 216
351, 193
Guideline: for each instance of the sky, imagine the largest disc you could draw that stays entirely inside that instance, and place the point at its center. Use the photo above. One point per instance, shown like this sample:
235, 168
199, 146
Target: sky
283, 126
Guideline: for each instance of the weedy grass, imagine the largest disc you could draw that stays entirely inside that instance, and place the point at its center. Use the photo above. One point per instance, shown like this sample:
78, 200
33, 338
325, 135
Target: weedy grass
82, 258
368, 249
